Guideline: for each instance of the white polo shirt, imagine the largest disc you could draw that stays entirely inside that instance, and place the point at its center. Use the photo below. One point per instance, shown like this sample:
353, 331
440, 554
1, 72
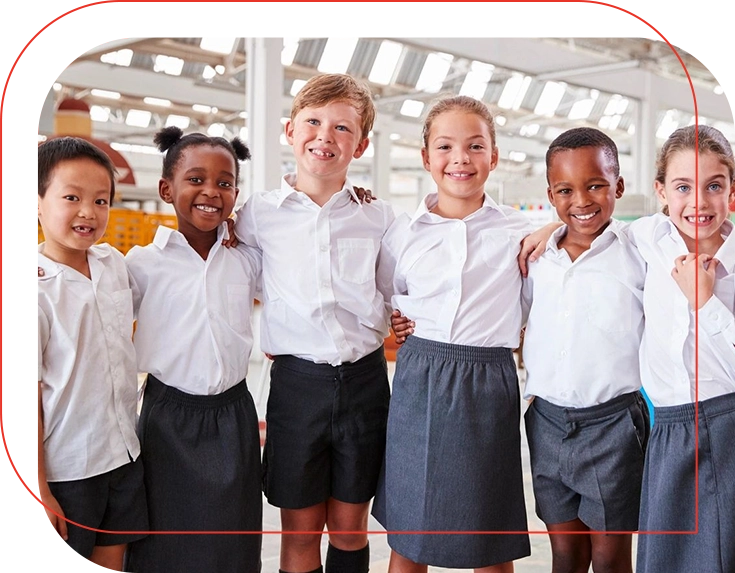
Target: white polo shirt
86, 365
320, 302
457, 279
194, 331
668, 350
585, 322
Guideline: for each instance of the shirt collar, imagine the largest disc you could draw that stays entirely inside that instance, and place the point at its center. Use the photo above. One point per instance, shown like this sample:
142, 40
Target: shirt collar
726, 253
51, 268
614, 231
166, 235
287, 190
429, 202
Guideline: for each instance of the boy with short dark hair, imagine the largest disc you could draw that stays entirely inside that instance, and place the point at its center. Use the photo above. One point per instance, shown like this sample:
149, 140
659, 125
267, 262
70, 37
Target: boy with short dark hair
88, 470
587, 424
324, 322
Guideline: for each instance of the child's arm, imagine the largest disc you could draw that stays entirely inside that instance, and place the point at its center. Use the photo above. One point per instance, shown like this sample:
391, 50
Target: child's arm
533, 246
401, 325
52, 507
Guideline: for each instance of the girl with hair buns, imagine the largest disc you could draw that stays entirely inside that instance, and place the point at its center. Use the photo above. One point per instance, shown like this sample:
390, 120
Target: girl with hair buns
198, 425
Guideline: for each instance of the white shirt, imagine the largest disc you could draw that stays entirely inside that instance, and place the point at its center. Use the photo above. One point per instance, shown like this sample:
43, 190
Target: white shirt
585, 323
194, 331
86, 365
457, 279
668, 350
320, 302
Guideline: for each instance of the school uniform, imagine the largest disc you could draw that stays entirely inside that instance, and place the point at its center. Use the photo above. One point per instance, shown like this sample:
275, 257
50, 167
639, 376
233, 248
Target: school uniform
86, 366
677, 378
324, 321
587, 425
198, 425
453, 461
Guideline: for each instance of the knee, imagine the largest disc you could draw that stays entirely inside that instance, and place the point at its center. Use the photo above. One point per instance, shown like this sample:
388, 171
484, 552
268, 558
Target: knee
569, 562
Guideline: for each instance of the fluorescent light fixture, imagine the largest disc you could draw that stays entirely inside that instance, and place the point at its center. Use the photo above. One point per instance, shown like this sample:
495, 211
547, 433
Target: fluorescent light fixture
604, 122
168, 65
105, 94
514, 91
476, 80
120, 58
615, 121
157, 101
243, 115
550, 99
138, 118
434, 72
500, 120
337, 55
395, 136
208, 73
616, 106
244, 133
135, 148
296, 86
669, 124
718, 90
201, 108
530, 129
517, 156
385, 62
220, 69
99, 113
216, 130
57, 87
217, 44
581, 109
412, 108
181, 121
290, 45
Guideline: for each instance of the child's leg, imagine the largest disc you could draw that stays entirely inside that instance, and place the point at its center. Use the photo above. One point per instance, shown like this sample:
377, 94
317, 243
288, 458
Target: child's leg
300, 552
400, 564
570, 553
500, 568
348, 552
612, 553
110, 556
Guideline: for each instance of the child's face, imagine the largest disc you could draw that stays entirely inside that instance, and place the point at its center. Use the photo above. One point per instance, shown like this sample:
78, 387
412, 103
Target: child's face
203, 188
326, 139
75, 209
715, 193
460, 154
583, 188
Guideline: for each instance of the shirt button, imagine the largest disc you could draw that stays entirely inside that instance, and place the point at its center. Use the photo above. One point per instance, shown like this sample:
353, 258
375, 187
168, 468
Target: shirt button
563, 353
109, 329
323, 248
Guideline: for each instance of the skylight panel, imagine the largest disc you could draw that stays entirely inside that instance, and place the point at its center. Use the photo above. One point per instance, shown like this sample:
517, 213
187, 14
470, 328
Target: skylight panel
412, 108
138, 118
385, 62
168, 65
105, 94
216, 130
669, 123
517, 156
514, 91
180, 121
550, 99
337, 55
201, 108
582, 108
99, 113
296, 86
157, 101
475, 83
119, 58
208, 73
217, 44
434, 72
290, 45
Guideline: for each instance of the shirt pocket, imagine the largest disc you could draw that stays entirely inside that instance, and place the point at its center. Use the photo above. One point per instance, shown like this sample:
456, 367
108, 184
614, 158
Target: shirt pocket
499, 248
239, 305
123, 301
612, 307
357, 259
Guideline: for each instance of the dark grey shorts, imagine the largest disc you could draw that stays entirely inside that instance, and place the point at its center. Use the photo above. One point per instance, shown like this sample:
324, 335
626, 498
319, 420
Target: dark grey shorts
112, 501
670, 495
587, 463
453, 459
325, 430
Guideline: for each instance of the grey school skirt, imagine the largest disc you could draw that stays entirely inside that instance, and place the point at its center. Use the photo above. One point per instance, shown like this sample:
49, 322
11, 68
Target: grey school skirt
453, 460
669, 498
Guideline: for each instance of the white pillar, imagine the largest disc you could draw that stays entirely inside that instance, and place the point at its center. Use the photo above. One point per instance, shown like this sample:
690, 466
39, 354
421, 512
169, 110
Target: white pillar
381, 160
644, 144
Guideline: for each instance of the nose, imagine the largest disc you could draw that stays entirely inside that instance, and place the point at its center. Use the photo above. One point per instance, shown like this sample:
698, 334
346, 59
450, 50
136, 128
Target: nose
211, 189
86, 209
701, 197
461, 156
324, 134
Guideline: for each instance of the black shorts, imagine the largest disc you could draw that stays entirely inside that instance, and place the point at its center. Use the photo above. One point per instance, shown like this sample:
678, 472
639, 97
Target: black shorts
325, 430
112, 501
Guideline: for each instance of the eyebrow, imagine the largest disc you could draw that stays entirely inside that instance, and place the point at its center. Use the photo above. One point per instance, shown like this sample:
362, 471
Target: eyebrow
203, 170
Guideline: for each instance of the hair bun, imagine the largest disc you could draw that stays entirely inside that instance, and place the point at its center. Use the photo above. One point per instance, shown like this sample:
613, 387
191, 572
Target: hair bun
241, 150
168, 137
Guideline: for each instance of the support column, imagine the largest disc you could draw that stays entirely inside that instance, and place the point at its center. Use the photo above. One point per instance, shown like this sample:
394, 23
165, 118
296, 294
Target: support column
381, 160
644, 145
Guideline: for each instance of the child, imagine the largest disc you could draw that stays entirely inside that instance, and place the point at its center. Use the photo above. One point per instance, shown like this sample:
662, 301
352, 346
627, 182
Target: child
587, 425
689, 373
324, 323
453, 461
198, 425
88, 467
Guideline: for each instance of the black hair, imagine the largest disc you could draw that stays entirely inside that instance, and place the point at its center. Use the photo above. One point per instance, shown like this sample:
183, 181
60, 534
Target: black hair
584, 137
58, 149
173, 142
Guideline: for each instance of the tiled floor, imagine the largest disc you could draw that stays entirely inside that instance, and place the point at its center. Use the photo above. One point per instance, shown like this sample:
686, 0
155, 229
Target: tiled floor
538, 562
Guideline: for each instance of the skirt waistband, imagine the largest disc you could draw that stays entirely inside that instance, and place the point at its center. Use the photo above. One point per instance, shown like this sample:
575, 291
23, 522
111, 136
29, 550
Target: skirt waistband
457, 352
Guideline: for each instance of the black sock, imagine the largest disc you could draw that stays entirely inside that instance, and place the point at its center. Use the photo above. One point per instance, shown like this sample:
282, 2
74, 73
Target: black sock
340, 561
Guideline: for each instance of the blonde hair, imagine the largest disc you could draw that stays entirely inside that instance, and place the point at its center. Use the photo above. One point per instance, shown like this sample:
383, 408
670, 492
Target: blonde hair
327, 88
457, 103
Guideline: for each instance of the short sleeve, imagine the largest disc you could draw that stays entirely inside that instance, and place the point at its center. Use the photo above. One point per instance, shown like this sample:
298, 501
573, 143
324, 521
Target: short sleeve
43, 336
245, 222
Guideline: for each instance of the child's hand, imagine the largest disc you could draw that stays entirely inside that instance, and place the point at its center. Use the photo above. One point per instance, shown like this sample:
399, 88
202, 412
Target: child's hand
695, 277
51, 506
533, 246
364, 195
232, 242
402, 327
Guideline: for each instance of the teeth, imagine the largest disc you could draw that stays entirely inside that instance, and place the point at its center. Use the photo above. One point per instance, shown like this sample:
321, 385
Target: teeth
321, 153
700, 219
584, 217
206, 208
83, 229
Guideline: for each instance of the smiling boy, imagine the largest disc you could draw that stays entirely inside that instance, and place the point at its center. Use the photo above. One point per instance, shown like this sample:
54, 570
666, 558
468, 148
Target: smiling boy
587, 425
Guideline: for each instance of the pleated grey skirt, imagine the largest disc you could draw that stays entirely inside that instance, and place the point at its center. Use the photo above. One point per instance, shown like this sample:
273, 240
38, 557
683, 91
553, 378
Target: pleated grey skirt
453, 460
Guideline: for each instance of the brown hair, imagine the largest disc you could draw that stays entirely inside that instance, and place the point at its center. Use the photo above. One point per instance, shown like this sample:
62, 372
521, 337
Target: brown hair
327, 88
458, 103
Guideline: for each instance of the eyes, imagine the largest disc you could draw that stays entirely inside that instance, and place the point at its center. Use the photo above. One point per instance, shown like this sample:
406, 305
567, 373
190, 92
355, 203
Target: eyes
198, 181
712, 188
74, 198
471, 147
569, 191
339, 127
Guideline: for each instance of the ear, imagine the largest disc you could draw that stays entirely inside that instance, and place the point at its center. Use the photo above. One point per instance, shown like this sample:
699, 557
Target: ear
164, 191
620, 188
39, 205
550, 196
237, 192
361, 147
425, 158
494, 161
731, 196
288, 130
660, 192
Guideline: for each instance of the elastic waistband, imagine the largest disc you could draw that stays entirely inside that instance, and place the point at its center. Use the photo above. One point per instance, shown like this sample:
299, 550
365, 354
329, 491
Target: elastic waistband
155, 388
370, 361
590, 413
685, 412
457, 352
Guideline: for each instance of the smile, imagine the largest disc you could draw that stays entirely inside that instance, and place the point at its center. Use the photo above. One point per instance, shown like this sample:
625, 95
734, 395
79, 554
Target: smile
320, 153
585, 217
701, 219
206, 208
460, 175
83, 230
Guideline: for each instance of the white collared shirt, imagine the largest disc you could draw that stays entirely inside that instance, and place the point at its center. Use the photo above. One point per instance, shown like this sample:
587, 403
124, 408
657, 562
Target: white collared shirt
86, 365
194, 331
457, 279
668, 350
585, 322
320, 302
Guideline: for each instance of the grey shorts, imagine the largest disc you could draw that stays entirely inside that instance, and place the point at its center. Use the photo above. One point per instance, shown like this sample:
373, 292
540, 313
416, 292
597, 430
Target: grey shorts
587, 463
